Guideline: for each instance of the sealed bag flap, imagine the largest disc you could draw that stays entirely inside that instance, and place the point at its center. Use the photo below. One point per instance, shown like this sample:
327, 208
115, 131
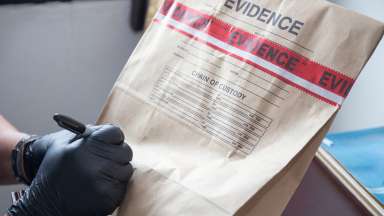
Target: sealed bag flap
219, 96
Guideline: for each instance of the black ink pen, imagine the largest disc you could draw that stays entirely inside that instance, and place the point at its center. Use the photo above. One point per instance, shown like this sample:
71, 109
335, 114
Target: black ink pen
72, 125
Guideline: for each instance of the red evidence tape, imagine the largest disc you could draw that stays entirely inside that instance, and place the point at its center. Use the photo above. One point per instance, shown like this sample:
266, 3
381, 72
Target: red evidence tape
281, 62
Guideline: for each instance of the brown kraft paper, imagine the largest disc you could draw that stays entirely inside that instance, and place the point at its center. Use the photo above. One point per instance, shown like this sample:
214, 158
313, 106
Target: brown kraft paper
225, 102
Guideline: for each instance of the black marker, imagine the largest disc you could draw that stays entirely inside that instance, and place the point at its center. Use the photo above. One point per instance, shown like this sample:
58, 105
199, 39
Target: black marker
72, 125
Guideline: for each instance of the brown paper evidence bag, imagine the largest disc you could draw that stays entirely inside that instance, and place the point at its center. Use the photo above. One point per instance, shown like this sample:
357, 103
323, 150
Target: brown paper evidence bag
225, 102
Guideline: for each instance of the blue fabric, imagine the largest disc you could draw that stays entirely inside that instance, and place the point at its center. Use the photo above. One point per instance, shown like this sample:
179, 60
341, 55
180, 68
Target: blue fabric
362, 154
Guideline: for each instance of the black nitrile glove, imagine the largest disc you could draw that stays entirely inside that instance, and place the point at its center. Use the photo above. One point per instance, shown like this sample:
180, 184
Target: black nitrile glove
85, 177
32, 151
35, 152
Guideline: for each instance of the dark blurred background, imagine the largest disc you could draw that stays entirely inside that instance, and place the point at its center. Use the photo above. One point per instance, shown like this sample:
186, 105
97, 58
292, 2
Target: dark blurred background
28, 1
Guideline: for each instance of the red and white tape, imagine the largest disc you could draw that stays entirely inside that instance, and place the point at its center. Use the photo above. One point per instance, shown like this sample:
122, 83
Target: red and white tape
294, 69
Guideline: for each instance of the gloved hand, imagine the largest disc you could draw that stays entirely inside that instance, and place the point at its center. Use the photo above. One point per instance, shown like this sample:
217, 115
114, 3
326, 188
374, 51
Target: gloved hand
34, 153
84, 177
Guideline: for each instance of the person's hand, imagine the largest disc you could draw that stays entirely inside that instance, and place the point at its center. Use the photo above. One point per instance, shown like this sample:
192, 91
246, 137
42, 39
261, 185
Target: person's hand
84, 177
35, 151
